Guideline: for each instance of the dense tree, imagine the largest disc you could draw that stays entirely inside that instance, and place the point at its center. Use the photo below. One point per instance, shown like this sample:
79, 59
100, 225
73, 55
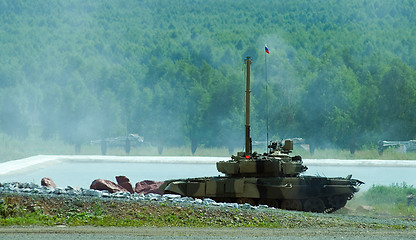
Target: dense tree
338, 72
396, 101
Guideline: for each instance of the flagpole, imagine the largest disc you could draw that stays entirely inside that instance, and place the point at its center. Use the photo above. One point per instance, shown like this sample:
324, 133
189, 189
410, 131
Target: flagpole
267, 102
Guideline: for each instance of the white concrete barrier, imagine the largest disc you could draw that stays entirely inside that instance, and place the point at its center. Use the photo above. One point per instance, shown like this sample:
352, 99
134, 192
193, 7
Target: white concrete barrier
41, 161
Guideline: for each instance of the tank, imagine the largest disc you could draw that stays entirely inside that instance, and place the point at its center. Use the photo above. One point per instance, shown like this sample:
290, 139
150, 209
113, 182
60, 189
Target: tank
273, 178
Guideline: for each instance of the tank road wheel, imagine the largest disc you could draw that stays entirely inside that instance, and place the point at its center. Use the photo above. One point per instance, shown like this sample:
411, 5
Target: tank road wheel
269, 202
336, 202
292, 204
250, 201
314, 205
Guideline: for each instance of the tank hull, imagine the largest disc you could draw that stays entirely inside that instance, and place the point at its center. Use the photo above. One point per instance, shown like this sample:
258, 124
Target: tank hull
304, 193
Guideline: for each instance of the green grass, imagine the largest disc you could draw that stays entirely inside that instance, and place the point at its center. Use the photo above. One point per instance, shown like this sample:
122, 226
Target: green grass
389, 154
12, 212
13, 149
387, 200
38, 211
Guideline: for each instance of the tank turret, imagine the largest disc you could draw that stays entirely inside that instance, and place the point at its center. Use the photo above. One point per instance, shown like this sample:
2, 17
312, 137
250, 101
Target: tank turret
275, 163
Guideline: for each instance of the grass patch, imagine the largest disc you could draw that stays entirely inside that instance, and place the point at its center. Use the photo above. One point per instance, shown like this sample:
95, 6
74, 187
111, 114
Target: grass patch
13, 149
389, 154
49, 211
387, 200
37, 211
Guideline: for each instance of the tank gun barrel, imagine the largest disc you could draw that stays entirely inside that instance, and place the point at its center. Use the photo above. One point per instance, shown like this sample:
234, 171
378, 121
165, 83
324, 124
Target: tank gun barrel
248, 138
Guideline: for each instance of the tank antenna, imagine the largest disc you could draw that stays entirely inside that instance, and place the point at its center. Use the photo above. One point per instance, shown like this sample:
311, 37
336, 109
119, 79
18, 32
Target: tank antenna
248, 138
267, 98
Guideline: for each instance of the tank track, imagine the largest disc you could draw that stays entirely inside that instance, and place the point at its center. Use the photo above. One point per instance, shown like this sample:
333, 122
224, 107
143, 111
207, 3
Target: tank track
317, 205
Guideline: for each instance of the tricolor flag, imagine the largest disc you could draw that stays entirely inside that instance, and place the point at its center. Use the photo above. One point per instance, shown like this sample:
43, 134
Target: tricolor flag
267, 49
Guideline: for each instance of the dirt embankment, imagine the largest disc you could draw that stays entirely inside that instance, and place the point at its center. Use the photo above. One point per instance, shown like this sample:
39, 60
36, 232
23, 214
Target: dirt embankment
75, 211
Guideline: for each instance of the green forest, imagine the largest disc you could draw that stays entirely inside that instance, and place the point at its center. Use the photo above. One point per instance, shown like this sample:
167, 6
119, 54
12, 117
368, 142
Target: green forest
339, 73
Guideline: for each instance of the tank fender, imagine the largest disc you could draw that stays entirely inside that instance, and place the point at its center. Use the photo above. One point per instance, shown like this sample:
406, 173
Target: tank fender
164, 185
195, 189
177, 187
341, 189
234, 185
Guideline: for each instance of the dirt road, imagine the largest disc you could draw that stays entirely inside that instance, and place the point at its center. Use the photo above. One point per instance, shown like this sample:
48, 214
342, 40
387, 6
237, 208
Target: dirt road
115, 233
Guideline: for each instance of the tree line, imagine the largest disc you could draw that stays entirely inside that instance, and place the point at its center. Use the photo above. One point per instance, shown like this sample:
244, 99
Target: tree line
339, 74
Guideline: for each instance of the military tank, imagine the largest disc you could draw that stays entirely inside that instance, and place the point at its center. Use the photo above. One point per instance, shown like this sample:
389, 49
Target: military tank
272, 178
